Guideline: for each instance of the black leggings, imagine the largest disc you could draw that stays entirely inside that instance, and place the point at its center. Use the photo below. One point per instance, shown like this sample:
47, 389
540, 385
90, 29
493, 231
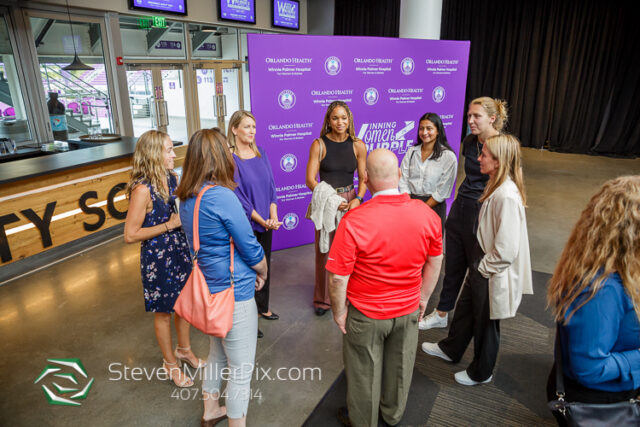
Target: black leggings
460, 242
262, 296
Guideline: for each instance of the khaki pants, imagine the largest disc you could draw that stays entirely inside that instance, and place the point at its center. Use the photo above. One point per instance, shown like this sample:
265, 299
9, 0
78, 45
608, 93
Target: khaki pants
379, 356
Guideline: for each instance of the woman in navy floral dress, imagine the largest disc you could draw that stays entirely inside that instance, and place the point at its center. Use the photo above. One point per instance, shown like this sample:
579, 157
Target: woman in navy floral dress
165, 262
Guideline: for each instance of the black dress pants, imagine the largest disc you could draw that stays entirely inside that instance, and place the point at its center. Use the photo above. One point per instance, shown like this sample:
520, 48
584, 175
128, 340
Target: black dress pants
460, 239
262, 296
471, 320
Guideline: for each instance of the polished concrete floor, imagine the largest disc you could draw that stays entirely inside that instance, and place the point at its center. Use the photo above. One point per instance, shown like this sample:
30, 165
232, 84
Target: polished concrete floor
90, 307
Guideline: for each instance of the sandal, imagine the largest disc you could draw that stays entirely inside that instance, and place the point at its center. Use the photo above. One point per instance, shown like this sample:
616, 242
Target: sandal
185, 359
184, 382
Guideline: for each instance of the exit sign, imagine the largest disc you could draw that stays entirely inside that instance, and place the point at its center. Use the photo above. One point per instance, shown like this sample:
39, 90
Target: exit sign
152, 22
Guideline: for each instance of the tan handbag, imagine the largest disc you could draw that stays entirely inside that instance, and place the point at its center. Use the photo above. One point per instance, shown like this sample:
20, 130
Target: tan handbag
212, 314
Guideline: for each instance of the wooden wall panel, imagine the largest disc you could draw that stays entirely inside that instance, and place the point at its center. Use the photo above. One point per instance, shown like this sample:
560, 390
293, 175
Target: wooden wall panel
66, 189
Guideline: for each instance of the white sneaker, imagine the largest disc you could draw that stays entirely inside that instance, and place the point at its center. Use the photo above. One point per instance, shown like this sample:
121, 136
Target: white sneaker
462, 378
433, 349
433, 320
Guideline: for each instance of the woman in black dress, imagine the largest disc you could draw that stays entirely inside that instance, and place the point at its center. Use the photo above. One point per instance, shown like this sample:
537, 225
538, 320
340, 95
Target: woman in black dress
335, 156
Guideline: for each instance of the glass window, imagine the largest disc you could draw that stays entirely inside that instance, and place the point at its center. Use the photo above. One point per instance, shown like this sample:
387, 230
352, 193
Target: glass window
13, 116
161, 43
213, 42
78, 101
245, 68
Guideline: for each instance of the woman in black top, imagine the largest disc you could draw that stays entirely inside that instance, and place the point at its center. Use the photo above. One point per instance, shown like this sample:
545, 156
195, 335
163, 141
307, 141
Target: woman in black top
486, 117
335, 156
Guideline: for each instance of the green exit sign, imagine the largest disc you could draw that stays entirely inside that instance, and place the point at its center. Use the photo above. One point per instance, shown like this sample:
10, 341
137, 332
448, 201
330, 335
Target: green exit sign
152, 22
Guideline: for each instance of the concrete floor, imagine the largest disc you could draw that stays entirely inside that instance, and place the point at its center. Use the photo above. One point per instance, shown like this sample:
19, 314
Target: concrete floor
91, 307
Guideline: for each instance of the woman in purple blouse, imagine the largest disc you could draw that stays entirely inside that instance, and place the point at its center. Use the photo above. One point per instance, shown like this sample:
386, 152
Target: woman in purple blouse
256, 191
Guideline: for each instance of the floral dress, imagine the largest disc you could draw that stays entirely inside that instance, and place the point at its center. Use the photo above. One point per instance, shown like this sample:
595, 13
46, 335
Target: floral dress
165, 261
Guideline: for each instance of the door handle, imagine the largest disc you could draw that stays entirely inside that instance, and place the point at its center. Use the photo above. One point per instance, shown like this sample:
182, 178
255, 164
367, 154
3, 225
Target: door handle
224, 105
162, 116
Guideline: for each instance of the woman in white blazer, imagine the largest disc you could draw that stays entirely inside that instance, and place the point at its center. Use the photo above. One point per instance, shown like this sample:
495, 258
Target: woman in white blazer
501, 273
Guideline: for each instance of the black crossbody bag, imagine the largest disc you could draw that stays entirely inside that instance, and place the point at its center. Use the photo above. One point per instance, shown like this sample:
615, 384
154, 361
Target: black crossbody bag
619, 414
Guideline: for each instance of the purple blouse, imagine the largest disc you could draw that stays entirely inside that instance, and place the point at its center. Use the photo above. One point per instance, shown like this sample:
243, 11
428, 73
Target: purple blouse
256, 187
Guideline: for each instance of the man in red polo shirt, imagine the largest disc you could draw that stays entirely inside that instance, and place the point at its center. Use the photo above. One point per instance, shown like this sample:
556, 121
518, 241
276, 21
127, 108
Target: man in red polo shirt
385, 259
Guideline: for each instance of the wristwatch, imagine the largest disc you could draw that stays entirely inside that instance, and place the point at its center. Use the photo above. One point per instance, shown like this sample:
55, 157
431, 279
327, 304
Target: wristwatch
359, 198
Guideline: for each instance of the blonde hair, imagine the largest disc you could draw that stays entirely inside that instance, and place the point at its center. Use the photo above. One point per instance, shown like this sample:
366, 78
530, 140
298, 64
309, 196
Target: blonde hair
234, 122
494, 107
604, 240
506, 150
148, 163
326, 126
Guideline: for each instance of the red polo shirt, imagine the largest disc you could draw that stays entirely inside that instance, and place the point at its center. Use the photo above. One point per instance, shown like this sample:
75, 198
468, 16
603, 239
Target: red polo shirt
383, 245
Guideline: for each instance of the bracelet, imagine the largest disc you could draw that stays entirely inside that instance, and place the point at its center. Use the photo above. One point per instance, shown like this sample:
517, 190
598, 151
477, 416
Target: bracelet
359, 198
166, 226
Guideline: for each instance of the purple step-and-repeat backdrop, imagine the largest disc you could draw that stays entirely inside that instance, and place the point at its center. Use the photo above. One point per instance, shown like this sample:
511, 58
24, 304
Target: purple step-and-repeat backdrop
387, 82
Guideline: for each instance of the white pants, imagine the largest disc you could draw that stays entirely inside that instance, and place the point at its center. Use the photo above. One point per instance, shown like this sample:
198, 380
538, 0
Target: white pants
233, 359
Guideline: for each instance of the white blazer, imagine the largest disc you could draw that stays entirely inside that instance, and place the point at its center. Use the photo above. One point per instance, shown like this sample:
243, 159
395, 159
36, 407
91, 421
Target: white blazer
324, 213
502, 233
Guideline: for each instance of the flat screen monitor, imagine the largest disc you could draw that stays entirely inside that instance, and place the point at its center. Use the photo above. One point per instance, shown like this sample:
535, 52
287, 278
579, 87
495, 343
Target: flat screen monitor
237, 10
178, 7
285, 14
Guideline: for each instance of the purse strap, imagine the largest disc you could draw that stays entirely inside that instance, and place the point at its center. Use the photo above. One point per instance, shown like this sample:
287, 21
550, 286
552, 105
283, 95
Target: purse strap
559, 374
196, 232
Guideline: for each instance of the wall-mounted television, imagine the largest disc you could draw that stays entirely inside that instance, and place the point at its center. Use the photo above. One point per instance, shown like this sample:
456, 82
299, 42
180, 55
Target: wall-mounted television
285, 14
237, 11
178, 7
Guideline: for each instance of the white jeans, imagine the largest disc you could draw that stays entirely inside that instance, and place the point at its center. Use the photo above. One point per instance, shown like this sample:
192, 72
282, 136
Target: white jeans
233, 359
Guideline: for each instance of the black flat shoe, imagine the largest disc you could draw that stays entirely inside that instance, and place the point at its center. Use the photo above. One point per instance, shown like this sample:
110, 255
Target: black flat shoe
343, 416
321, 311
271, 316
260, 334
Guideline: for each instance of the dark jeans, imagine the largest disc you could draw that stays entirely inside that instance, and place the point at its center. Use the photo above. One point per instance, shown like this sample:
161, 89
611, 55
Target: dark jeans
440, 208
262, 296
471, 320
460, 240
576, 392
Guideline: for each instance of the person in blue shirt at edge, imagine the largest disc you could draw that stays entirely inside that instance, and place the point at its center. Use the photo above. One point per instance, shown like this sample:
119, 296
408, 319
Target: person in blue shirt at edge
595, 297
209, 161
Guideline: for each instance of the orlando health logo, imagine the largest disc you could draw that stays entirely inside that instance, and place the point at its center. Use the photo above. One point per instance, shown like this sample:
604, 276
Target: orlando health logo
290, 221
72, 393
332, 65
371, 96
288, 162
287, 99
407, 66
438, 94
